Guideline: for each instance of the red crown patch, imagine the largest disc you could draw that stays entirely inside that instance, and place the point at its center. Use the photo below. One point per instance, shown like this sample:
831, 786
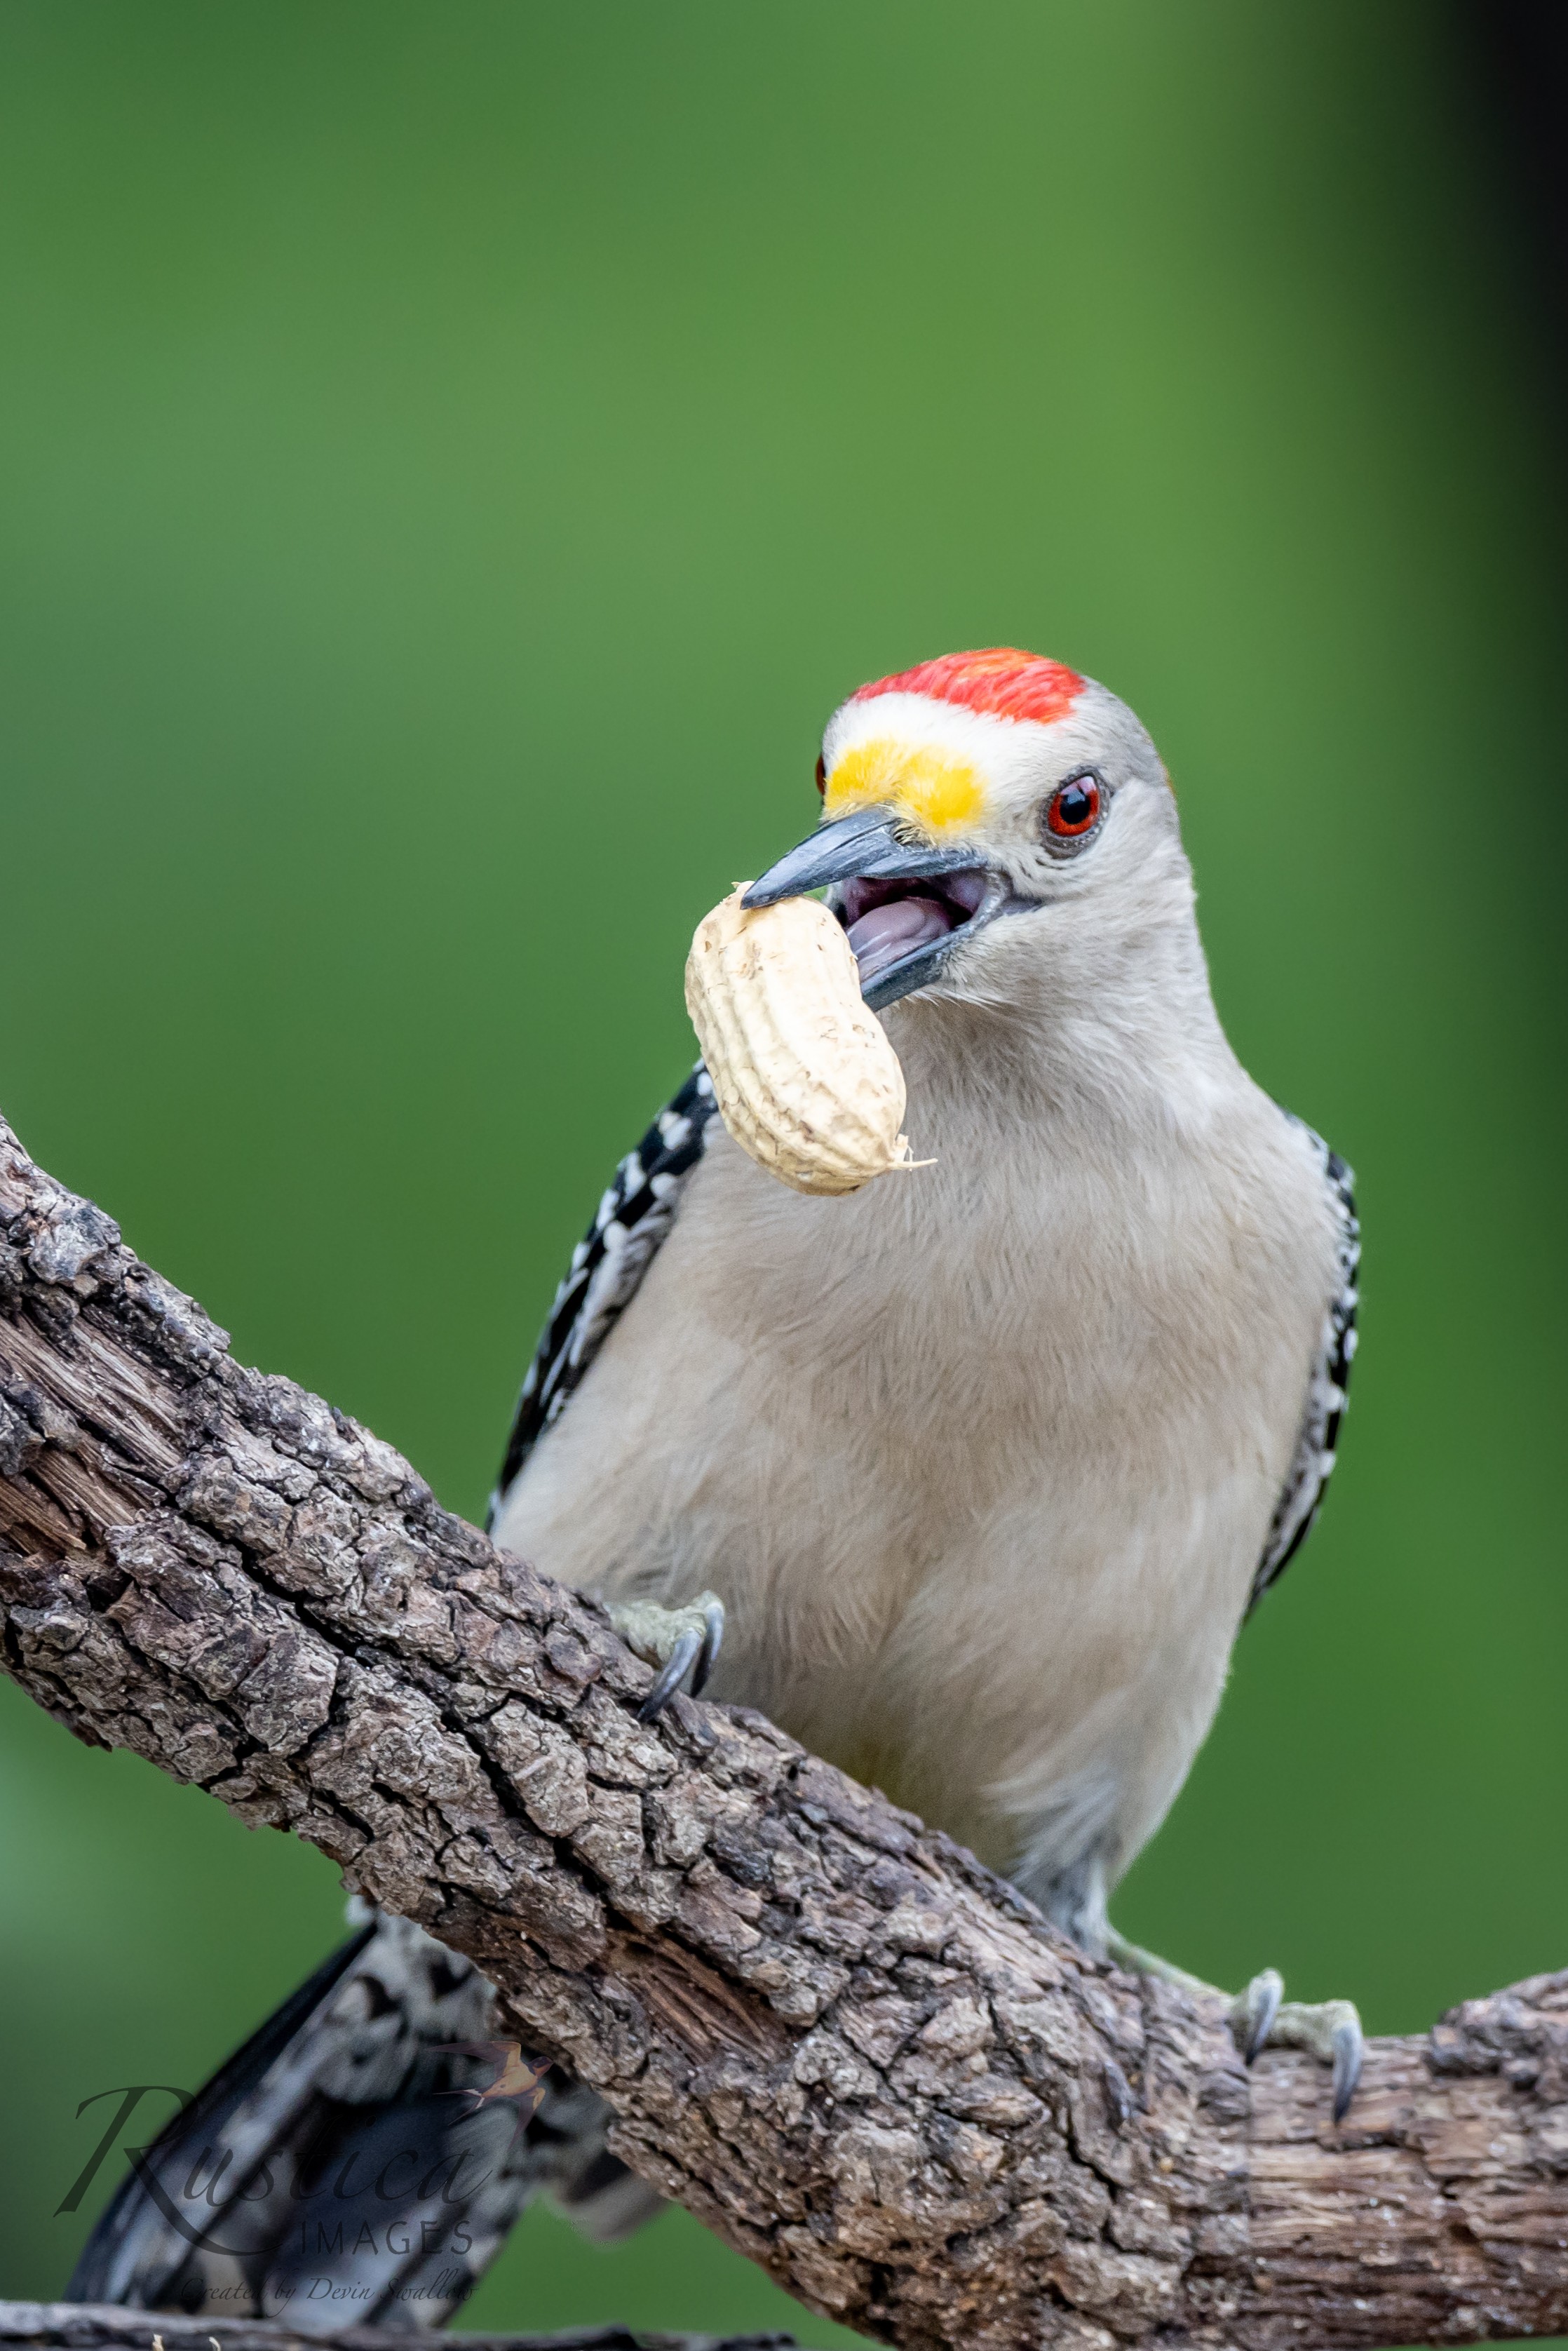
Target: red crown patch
1002, 681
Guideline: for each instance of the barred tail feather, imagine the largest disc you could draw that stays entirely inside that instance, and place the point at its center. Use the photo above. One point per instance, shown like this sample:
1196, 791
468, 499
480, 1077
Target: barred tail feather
361, 2159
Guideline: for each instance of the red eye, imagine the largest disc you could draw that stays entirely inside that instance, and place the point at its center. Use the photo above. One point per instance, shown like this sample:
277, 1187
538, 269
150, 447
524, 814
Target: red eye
1073, 808
821, 777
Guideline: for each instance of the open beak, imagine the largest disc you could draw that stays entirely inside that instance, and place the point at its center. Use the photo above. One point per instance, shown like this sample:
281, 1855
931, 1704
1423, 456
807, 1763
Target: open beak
904, 908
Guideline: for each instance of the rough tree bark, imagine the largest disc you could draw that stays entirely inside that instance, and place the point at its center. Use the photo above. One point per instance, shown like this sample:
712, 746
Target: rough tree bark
826, 2030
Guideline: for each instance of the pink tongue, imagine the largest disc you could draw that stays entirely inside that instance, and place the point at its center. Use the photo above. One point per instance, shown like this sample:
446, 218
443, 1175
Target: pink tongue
888, 932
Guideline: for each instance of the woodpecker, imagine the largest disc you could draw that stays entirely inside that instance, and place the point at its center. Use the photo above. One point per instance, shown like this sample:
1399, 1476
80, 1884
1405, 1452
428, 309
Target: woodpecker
978, 1473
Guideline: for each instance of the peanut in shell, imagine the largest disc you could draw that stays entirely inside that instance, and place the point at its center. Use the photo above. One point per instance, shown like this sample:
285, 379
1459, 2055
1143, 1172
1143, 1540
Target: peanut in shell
804, 1074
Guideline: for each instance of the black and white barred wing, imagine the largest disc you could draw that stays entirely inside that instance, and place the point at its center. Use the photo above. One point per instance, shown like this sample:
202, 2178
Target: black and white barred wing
1315, 1447
607, 1266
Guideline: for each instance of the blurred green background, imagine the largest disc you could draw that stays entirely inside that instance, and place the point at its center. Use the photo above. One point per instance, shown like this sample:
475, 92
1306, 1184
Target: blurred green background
451, 462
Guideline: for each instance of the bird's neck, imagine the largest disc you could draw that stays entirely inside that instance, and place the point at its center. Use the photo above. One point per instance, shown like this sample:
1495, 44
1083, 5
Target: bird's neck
1122, 1030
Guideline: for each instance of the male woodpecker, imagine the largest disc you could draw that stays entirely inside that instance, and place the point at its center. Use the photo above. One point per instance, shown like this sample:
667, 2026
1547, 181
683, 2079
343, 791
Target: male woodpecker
978, 1472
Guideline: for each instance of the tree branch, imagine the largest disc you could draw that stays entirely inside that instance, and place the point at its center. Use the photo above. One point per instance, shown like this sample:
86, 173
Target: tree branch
861, 2059
97, 2326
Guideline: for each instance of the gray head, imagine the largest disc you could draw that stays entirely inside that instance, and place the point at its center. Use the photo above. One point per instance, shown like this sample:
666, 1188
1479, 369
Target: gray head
992, 822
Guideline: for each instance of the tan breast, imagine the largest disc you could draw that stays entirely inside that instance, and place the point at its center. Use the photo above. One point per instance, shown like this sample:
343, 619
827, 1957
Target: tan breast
965, 1457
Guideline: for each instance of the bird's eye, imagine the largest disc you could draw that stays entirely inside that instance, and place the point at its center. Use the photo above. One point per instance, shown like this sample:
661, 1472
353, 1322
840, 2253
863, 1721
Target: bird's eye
1073, 808
821, 777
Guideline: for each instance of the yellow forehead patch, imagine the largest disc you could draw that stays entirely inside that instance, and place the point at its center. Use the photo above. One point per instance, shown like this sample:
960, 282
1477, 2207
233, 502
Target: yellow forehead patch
934, 791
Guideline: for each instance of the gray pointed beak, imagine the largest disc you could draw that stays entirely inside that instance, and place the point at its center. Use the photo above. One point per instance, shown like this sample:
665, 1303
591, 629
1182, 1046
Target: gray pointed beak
867, 844
870, 846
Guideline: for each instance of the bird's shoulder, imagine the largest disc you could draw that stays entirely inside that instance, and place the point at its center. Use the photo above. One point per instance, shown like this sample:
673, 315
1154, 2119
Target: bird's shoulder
607, 1268
1312, 1462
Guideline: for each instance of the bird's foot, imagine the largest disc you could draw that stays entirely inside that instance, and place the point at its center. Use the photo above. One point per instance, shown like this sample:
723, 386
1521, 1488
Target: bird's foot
675, 1640
1329, 2029
1261, 2018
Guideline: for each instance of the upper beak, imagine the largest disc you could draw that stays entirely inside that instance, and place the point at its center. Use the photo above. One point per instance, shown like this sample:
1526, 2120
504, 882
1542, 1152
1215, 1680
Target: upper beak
867, 844
869, 847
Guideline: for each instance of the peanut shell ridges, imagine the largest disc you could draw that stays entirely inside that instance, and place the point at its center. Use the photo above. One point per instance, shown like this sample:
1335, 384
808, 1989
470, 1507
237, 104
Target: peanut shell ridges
805, 1077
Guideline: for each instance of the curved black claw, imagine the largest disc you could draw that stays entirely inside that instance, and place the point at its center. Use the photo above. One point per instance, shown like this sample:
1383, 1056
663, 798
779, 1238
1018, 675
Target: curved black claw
1252, 2018
1349, 2049
671, 1673
711, 1642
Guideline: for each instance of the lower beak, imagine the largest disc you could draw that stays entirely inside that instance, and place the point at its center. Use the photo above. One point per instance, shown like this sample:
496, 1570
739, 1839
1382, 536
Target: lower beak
902, 939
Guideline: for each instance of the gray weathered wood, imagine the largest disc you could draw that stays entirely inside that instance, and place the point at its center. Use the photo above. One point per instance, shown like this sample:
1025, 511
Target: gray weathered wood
826, 2030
